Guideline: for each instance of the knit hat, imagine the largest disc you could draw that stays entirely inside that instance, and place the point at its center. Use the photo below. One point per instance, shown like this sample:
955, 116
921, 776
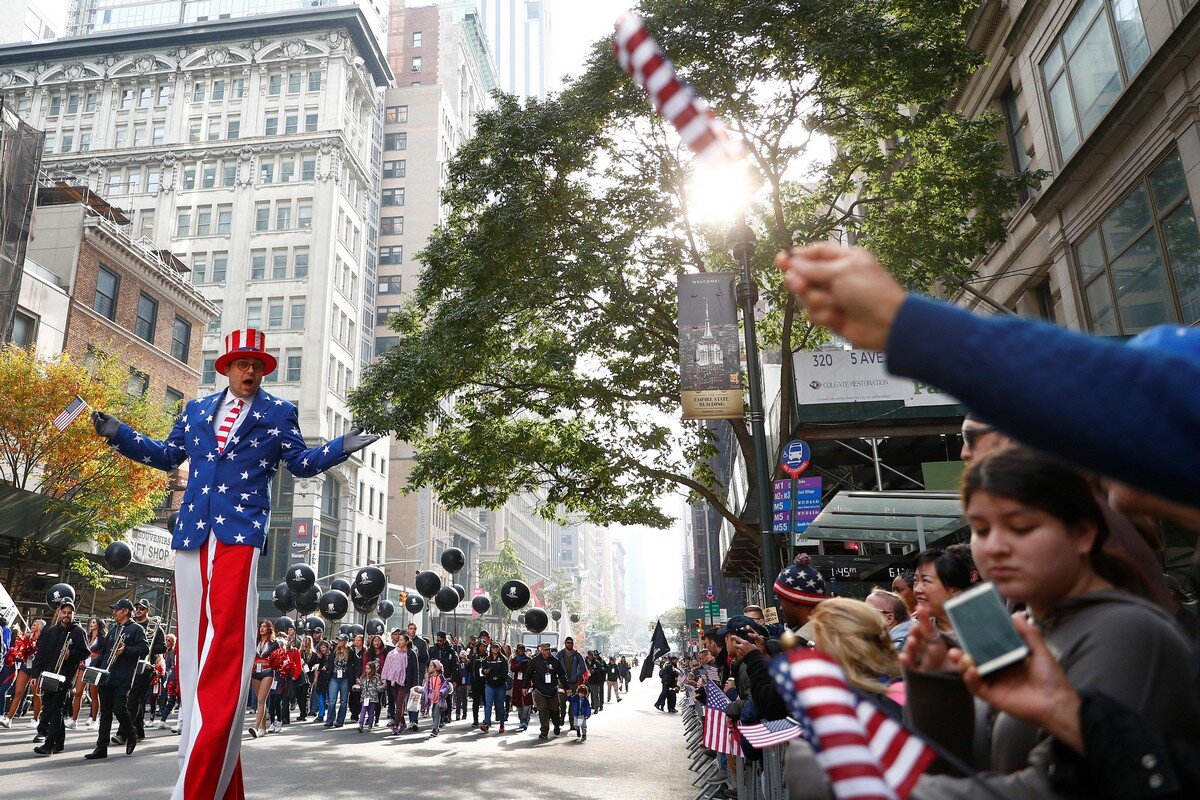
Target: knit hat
801, 582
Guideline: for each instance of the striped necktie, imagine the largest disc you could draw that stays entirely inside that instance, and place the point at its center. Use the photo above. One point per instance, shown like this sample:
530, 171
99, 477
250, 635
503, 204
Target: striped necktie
227, 424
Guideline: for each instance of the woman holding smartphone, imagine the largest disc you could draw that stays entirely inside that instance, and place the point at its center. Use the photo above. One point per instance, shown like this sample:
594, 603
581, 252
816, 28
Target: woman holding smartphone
1038, 534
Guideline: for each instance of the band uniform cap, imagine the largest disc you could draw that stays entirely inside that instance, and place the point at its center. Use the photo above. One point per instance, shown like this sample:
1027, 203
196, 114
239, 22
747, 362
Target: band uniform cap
123, 603
246, 343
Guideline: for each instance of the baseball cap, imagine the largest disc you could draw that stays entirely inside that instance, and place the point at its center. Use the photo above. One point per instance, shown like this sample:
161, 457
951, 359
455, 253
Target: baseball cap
440, 633
740, 622
143, 603
123, 603
521, 647
66, 601
546, 645
569, 639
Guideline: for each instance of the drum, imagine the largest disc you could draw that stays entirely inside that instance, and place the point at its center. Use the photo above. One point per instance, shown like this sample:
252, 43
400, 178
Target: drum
53, 682
95, 676
140, 667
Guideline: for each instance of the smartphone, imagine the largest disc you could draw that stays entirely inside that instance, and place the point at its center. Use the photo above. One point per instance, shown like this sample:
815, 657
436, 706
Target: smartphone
984, 628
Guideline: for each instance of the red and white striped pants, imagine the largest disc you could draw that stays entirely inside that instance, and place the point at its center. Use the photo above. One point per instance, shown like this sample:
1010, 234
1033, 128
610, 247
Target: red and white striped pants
216, 601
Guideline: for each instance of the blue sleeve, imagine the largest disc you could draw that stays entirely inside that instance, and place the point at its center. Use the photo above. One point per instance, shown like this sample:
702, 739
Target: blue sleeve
303, 461
165, 455
1130, 414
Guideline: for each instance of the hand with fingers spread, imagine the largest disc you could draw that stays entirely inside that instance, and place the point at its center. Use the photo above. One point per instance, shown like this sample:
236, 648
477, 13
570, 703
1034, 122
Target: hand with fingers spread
926, 649
1035, 690
844, 289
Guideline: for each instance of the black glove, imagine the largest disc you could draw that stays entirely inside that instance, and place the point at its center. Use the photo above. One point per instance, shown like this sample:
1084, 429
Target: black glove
105, 424
357, 439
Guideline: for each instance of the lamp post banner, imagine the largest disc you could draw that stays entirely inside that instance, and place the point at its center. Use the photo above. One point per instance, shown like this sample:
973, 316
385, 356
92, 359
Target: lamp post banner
710, 371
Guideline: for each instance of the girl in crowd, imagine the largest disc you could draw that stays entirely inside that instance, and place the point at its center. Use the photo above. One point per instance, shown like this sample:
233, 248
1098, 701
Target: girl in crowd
522, 700
283, 667
495, 676
375, 653
369, 685
343, 672
941, 574
95, 635
402, 672
507, 652
855, 635
903, 585
303, 683
262, 676
318, 676
22, 652
1038, 534
434, 694
581, 709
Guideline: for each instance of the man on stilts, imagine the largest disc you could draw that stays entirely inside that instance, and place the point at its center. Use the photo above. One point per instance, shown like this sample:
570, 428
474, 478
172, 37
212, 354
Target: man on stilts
234, 441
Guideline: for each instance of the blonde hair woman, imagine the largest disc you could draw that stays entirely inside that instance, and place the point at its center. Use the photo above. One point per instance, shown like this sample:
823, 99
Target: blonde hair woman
855, 635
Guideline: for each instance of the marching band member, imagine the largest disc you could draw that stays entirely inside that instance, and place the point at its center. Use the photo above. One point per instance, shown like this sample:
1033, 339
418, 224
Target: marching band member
63, 646
124, 644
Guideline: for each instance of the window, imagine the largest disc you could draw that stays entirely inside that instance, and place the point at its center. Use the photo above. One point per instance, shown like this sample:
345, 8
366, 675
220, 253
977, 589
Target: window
209, 372
122, 137
395, 141
291, 123
385, 343
266, 172
199, 90
164, 94
208, 178
416, 64
391, 226
297, 314
49, 144
189, 178
1143, 255
73, 103
314, 80
383, 312
395, 169
275, 85
214, 324
233, 128
204, 222
135, 181
308, 169
393, 197
24, 332
91, 102
144, 97
293, 367
127, 98
396, 114
139, 383
272, 126
237, 89
389, 284
300, 263
214, 130
194, 128
275, 314
220, 266
228, 175
160, 134
181, 339
147, 317
199, 268
279, 265
258, 265
183, 222
85, 142
391, 255
262, 216
310, 123
139, 136
147, 227
283, 217
254, 314
294, 82
287, 170
1102, 46
304, 215
224, 219
218, 89
174, 398
68, 141
416, 39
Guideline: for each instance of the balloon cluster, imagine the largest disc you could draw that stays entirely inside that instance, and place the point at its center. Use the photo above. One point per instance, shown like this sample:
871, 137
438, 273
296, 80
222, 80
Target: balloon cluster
301, 592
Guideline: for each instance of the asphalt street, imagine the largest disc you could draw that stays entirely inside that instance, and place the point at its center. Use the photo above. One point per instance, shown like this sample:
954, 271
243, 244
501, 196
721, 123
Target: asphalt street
633, 752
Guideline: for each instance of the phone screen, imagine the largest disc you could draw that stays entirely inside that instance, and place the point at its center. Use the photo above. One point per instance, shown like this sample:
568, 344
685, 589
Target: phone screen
984, 627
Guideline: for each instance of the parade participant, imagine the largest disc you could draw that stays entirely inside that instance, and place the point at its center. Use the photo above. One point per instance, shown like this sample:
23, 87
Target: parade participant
369, 686
358, 651
612, 676
595, 675
548, 680
478, 681
61, 648
343, 672
23, 651
402, 672
626, 674
522, 701
494, 670
170, 683
422, 649
318, 674
141, 682
581, 709
234, 441
95, 635
262, 676
123, 645
669, 676
573, 668
303, 682
447, 653
433, 696
283, 667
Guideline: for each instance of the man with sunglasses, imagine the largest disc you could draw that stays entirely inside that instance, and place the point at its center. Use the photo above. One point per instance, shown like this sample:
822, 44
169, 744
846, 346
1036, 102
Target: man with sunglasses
234, 441
980, 438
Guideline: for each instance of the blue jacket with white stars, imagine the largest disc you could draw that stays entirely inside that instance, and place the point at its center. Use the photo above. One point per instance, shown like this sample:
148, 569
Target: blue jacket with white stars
229, 492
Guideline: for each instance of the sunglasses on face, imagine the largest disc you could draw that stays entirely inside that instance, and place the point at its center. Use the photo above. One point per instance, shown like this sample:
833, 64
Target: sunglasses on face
972, 435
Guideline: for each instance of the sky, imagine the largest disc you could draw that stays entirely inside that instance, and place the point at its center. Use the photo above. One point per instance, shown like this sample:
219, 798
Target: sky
576, 26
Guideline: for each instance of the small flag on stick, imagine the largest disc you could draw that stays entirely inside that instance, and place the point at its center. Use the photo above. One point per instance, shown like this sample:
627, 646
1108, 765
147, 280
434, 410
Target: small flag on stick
719, 734
769, 733
70, 413
866, 754
675, 100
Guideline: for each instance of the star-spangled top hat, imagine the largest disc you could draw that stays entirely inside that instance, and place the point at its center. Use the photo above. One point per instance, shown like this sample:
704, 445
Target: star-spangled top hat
246, 343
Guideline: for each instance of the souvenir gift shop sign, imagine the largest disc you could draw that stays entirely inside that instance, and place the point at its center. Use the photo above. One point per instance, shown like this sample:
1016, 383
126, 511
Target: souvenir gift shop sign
710, 364
857, 376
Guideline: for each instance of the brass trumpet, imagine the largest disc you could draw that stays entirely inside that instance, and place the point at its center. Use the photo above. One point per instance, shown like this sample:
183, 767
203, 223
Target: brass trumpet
97, 676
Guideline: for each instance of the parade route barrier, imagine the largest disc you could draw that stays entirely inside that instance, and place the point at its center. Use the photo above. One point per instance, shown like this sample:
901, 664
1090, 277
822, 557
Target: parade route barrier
750, 780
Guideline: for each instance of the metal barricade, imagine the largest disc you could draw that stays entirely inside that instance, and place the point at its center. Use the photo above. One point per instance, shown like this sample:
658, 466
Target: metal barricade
751, 780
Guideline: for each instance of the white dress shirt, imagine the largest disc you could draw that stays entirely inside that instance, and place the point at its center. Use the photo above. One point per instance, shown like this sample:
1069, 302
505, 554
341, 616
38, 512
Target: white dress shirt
223, 411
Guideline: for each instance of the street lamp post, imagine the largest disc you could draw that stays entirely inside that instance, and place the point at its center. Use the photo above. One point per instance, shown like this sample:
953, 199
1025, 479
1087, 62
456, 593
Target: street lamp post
740, 241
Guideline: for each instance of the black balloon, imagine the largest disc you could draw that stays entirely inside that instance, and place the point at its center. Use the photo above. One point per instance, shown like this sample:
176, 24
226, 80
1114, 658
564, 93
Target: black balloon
481, 604
462, 591
385, 609
574, 618
284, 624
428, 583
333, 605
374, 627
117, 555
363, 605
344, 630
414, 604
556, 615
357, 630
536, 620
514, 595
453, 560
283, 599
59, 592
314, 624
307, 601
446, 599
342, 585
301, 578
370, 582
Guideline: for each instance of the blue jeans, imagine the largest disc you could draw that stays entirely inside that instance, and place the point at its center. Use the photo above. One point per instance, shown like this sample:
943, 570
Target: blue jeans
318, 704
336, 688
493, 698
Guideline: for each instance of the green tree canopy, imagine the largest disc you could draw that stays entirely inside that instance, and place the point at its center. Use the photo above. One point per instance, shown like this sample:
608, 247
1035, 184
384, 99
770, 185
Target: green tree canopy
539, 351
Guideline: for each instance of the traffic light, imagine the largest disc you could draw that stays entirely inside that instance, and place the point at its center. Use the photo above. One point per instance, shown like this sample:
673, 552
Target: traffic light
403, 598
699, 626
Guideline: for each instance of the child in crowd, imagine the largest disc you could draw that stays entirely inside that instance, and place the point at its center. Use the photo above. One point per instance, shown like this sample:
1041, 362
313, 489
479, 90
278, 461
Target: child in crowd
434, 695
581, 709
370, 685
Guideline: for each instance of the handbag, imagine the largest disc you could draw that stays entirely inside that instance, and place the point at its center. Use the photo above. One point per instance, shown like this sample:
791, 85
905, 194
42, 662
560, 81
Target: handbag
414, 703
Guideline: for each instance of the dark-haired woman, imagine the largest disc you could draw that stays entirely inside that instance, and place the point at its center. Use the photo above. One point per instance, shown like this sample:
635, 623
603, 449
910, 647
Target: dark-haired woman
1038, 534
95, 635
903, 585
941, 574
262, 677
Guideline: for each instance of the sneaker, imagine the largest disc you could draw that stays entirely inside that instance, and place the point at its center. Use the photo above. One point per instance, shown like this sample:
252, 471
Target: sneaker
175, 729
483, 728
93, 724
253, 733
5, 722
583, 738
33, 723
360, 728
42, 751
38, 738
117, 739
70, 724
557, 730
155, 725
542, 736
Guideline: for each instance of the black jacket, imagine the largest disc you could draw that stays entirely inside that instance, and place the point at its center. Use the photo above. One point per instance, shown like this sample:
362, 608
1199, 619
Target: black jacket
121, 671
767, 699
596, 672
352, 666
495, 671
451, 667
541, 668
612, 672
50, 647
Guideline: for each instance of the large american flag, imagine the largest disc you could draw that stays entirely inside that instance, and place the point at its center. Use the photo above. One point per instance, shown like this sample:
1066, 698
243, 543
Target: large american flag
646, 63
70, 413
769, 733
718, 732
865, 754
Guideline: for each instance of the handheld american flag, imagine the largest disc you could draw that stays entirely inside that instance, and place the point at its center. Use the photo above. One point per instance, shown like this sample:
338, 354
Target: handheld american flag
718, 732
675, 100
70, 413
769, 733
866, 755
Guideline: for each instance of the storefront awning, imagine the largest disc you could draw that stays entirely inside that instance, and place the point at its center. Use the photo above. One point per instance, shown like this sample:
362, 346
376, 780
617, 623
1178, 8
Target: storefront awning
918, 517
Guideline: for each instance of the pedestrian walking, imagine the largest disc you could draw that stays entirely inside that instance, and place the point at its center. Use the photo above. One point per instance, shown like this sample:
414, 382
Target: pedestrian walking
626, 673
522, 700
262, 676
318, 673
370, 686
433, 695
401, 672
612, 676
596, 674
94, 633
156, 639
495, 676
548, 680
343, 673
22, 652
669, 675
303, 682
581, 709
573, 668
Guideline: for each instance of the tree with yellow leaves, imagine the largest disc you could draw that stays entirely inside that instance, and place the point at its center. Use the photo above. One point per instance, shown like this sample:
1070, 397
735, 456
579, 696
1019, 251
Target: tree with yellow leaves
86, 491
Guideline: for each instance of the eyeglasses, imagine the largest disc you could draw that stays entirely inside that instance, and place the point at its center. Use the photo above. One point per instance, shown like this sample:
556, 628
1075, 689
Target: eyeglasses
249, 363
972, 435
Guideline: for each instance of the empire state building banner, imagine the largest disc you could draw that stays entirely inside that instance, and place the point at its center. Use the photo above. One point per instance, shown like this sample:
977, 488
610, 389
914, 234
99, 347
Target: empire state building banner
710, 373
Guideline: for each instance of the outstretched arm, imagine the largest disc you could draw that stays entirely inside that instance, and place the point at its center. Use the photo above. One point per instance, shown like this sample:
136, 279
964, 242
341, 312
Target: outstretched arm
165, 455
305, 462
